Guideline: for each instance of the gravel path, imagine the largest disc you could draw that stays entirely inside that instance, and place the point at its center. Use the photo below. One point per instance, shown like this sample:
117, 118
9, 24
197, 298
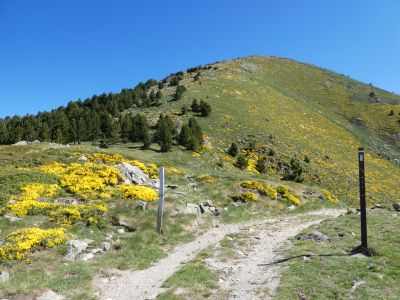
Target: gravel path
146, 284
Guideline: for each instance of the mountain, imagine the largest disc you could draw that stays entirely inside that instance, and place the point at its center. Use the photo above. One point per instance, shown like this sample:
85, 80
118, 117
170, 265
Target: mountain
291, 112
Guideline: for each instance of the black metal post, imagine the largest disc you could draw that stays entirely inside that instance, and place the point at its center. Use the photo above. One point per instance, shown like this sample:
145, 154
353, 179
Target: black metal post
363, 209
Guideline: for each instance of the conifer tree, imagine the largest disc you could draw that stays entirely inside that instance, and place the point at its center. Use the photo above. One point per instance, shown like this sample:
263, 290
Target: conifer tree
165, 131
233, 150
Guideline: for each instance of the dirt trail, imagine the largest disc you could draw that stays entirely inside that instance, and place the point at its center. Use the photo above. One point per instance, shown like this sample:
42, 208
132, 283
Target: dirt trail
146, 284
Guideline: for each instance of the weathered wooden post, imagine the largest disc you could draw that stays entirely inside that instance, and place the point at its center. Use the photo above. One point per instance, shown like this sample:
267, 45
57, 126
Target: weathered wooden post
363, 209
160, 201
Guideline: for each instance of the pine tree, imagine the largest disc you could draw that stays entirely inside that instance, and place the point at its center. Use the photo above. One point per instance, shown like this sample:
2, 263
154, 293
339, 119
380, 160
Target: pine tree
204, 109
195, 106
139, 131
241, 162
180, 89
165, 130
191, 136
233, 150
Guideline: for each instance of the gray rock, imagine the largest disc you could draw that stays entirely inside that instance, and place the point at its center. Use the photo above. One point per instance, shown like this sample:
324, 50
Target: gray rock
85, 256
4, 277
316, 236
292, 207
153, 183
121, 230
192, 208
208, 203
97, 250
132, 173
396, 206
11, 218
377, 205
66, 200
50, 295
83, 158
105, 246
21, 143
76, 247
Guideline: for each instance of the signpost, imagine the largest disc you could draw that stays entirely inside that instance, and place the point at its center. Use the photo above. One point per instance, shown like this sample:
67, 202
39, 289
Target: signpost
160, 202
363, 210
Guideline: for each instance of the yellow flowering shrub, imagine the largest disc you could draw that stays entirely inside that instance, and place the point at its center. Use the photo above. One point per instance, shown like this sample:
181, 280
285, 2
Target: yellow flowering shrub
292, 198
150, 169
87, 180
260, 187
174, 171
245, 197
19, 243
206, 178
283, 190
138, 192
34, 191
330, 197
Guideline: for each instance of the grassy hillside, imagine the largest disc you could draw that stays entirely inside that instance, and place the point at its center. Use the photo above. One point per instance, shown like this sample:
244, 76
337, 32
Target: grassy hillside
300, 110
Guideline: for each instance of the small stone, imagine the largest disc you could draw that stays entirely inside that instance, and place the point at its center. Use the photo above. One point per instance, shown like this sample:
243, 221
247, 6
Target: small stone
12, 218
305, 258
292, 207
121, 230
112, 278
105, 246
76, 247
83, 158
86, 256
221, 281
172, 186
4, 276
50, 295
208, 203
316, 236
251, 229
377, 205
192, 208
97, 250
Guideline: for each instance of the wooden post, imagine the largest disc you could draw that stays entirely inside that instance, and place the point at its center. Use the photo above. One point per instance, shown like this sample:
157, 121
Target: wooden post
160, 202
363, 210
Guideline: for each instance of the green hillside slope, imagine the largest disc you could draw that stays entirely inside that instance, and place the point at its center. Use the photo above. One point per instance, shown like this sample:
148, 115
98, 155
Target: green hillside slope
300, 110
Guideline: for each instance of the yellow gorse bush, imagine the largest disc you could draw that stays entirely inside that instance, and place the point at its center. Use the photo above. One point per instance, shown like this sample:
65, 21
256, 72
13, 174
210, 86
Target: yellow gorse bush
151, 169
283, 190
138, 192
88, 180
19, 243
330, 197
260, 187
245, 197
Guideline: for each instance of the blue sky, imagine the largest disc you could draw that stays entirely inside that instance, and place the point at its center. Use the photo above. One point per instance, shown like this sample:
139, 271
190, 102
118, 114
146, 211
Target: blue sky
52, 52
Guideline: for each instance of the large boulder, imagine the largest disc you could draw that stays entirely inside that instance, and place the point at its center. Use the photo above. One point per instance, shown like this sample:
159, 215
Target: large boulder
132, 174
76, 247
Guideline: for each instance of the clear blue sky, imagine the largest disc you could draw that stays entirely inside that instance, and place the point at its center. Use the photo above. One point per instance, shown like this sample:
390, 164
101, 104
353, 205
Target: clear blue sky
55, 51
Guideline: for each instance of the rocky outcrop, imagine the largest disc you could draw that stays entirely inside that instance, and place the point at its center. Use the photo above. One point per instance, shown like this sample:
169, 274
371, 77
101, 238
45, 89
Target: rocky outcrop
132, 174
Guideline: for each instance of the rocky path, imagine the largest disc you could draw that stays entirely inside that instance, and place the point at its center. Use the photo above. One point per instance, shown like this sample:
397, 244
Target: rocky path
243, 280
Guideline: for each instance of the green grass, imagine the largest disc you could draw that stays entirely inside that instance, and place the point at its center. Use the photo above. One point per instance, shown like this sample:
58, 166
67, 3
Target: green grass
194, 278
331, 275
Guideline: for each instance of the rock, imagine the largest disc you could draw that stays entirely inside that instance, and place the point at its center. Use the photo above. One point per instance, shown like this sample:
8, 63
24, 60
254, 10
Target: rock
215, 211
4, 277
76, 247
192, 208
83, 158
153, 183
132, 173
105, 246
85, 256
377, 205
316, 236
121, 230
396, 206
97, 250
292, 207
12, 218
50, 295
66, 200
35, 142
172, 186
305, 258
123, 222
21, 143
208, 203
